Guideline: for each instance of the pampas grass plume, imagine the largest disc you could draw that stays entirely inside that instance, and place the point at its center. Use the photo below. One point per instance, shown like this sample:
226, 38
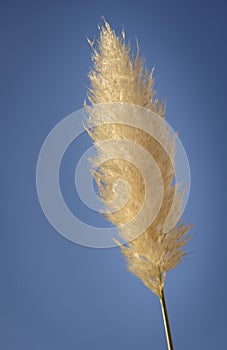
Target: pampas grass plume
119, 76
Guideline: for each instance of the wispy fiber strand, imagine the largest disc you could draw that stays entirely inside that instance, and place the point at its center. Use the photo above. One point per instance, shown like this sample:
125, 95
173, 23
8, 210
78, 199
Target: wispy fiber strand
119, 76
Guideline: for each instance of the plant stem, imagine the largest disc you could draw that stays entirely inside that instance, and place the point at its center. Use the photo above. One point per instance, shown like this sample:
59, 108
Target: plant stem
166, 321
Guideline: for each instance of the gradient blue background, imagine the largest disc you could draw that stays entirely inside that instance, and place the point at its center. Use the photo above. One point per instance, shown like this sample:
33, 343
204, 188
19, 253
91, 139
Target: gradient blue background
55, 294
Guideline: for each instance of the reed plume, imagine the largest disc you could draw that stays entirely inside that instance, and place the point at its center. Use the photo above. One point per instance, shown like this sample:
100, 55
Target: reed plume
120, 77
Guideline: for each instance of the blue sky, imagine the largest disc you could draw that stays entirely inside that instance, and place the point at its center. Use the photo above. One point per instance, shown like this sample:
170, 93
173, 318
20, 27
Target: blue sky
58, 295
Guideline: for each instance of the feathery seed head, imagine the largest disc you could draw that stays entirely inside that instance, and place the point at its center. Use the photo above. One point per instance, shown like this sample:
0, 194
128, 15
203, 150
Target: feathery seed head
119, 81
